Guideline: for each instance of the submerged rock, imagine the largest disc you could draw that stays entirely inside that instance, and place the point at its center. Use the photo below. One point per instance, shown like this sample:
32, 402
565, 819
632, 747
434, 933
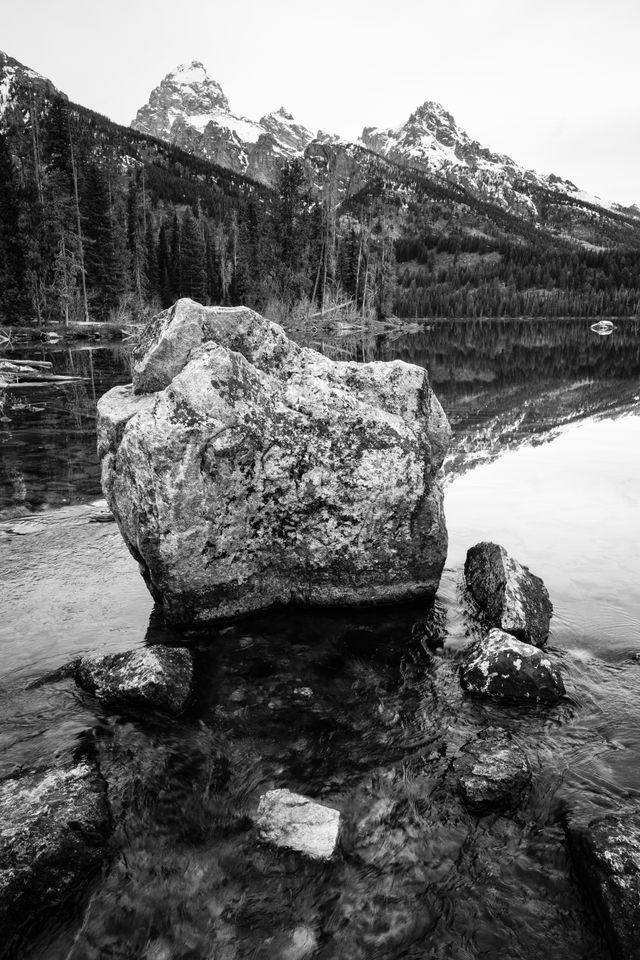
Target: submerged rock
53, 836
246, 471
509, 595
493, 773
503, 668
289, 820
158, 677
606, 854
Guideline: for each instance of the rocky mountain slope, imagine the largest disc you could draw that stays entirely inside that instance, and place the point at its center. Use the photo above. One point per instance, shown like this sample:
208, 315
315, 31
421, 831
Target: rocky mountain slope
431, 140
189, 108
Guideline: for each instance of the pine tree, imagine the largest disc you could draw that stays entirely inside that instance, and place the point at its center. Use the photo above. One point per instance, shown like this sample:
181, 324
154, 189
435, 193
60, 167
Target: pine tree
103, 274
192, 259
13, 302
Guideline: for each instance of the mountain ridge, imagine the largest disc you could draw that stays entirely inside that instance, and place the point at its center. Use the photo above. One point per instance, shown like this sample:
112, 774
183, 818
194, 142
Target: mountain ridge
429, 140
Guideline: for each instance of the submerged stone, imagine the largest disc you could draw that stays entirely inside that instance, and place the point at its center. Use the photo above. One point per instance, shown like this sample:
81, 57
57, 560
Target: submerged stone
158, 677
54, 828
503, 668
493, 773
246, 471
606, 854
508, 594
295, 822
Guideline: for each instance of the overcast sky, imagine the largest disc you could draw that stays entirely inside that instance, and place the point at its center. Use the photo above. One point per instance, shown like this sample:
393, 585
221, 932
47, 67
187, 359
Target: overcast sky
553, 83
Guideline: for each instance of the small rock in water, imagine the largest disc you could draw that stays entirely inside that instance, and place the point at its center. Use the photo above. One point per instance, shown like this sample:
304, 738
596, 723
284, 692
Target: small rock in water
290, 820
503, 668
303, 943
494, 773
606, 854
158, 677
55, 827
509, 595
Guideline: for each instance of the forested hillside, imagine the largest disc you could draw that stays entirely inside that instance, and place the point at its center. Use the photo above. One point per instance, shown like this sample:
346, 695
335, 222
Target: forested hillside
100, 221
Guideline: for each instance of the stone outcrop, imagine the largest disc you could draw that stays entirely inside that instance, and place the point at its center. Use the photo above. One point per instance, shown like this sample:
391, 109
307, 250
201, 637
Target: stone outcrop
493, 773
55, 828
503, 668
294, 822
606, 855
159, 677
246, 471
508, 594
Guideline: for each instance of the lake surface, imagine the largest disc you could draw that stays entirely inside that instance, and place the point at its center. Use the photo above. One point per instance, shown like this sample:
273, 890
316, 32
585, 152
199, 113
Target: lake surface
355, 709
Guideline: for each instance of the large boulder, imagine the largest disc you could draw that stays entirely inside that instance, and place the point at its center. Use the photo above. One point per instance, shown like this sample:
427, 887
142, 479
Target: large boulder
246, 471
606, 855
503, 668
508, 594
157, 677
55, 826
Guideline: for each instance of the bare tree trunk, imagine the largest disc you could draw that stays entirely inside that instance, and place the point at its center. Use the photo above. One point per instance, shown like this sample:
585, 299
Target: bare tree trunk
144, 205
65, 277
79, 228
359, 262
315, 286
36, 151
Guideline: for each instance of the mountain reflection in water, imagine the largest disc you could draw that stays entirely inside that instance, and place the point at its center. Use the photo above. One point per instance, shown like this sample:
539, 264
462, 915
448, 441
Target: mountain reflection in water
359, 709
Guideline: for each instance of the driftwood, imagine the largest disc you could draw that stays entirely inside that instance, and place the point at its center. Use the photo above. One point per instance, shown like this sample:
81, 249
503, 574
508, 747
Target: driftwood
323, 313
30, 373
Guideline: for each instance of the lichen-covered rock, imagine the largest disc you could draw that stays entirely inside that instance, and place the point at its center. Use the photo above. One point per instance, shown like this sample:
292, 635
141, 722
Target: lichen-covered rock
289, 820
503, 668
606, 855
54, 829
493, 772
246, 471
508, 594
159, 677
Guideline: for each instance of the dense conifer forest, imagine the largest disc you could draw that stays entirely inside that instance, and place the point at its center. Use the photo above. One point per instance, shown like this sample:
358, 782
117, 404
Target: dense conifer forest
100, 222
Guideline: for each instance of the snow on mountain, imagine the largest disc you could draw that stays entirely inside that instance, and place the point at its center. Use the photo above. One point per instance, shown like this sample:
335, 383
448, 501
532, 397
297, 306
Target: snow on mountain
15, 76
432, 140
190, 109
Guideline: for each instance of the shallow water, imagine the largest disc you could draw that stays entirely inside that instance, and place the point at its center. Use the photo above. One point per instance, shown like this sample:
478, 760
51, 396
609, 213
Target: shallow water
361, 710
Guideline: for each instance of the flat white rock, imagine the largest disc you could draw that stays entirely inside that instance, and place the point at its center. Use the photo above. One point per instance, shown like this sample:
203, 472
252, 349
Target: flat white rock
290, 820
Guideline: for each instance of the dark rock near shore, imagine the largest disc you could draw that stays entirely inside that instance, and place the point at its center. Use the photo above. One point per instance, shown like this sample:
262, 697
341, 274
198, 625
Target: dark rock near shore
493, 772
54, 831
159, 677
508, 594
247, 472
503, 668
606, 855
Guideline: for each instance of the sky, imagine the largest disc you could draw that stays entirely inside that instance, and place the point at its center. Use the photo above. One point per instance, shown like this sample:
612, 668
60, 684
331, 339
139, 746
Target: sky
555, 84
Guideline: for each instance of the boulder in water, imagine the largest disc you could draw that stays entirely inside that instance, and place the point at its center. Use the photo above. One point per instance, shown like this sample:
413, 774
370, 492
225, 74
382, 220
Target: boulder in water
493, 773
508, 594
55, 828
159, 677
246, 471
503, 668
294, 822
606, 855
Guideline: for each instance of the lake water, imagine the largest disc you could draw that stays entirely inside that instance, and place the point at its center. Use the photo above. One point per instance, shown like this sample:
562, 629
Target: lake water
352, 708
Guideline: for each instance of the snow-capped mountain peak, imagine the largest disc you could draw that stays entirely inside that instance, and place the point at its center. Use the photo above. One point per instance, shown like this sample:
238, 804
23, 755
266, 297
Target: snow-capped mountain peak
189, 108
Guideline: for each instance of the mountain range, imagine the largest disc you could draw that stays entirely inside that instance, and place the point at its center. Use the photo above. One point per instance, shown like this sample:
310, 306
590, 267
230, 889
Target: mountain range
190, 109
192, 199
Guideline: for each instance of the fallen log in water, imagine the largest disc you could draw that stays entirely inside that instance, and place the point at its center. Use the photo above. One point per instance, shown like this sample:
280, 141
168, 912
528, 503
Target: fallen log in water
30, 373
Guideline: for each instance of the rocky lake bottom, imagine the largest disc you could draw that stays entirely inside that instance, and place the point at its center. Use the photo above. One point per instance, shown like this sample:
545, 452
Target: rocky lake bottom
361, 710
